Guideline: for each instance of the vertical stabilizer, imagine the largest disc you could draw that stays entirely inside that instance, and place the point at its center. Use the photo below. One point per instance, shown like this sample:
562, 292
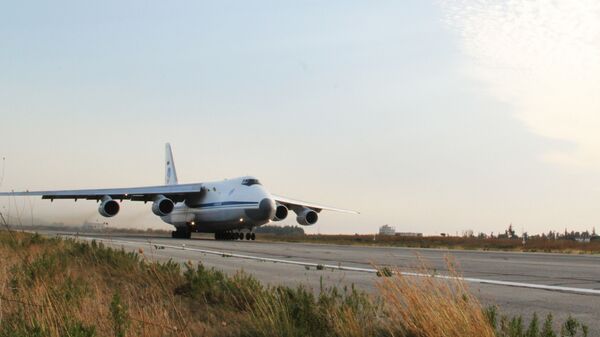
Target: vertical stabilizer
170, 173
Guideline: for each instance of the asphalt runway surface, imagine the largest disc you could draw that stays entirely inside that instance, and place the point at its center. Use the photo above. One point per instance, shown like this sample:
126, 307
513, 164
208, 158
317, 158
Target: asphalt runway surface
568, 277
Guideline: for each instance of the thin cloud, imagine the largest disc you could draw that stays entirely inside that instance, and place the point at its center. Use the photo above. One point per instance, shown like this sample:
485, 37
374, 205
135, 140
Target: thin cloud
543, 57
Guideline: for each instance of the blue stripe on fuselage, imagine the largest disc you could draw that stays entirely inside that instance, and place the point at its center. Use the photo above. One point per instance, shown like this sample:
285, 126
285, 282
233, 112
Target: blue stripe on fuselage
227, 203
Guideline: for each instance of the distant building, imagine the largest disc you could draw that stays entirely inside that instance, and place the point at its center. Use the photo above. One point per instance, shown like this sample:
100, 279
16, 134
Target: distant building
408, 234
387, 230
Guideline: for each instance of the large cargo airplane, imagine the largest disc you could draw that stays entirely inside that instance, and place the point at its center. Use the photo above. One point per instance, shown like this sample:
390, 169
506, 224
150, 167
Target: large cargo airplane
230, 209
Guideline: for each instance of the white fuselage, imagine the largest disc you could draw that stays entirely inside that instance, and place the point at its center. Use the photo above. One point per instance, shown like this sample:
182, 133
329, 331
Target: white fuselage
241, 203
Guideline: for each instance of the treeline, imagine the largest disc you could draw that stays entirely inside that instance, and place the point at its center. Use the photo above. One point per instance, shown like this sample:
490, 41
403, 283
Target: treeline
278, 230
510, 233
82, 229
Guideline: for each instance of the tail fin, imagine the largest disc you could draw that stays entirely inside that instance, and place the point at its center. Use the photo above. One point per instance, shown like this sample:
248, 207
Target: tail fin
170, 173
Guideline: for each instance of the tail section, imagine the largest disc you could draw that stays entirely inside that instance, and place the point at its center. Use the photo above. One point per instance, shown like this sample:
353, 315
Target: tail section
170, 173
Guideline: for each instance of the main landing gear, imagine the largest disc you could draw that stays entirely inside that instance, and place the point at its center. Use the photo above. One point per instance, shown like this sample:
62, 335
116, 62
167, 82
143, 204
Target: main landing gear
181, 233
234, 236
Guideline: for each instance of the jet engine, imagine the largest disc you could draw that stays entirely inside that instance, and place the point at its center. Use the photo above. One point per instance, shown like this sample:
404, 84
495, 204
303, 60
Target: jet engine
162, 206
307, 217
109, 207
281, 213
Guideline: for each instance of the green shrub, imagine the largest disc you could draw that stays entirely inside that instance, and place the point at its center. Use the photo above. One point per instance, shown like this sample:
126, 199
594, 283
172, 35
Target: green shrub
306, 315
20, 326
285, 311
491, 313
169, 268
571, 327
515, 327
534, 327
43, 267
17, 327
78, 329
73, 290
385, 271
547, 330
119, 315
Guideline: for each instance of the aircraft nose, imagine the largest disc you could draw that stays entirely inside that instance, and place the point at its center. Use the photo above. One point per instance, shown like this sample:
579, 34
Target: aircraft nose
267, 207
265, 211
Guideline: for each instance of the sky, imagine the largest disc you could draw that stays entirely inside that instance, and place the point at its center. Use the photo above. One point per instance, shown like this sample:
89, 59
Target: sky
431, 116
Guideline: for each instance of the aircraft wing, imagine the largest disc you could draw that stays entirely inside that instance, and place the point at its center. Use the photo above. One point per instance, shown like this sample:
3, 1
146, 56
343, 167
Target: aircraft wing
174, 192
291, 203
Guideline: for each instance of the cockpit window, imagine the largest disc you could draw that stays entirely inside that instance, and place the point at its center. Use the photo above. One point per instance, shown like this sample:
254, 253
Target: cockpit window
250, 182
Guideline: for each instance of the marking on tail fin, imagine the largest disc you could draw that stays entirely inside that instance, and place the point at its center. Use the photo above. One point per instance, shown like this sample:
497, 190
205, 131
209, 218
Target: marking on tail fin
170, 172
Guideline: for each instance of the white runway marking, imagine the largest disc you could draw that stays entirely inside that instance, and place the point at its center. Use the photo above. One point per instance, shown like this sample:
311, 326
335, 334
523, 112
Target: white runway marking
357, 269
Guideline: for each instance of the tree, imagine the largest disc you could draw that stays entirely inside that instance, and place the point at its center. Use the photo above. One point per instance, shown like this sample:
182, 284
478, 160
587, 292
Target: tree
510, 233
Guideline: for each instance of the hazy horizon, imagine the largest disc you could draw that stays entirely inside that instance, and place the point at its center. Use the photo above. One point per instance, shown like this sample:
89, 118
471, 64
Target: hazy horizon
430, 116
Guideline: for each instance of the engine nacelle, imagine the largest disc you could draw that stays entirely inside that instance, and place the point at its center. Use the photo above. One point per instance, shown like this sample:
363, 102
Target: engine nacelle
162, 206
307, 217
109, 207
281, 212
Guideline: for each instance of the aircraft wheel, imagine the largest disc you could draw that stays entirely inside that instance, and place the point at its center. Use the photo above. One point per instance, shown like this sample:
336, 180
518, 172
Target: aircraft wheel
253, 236
248, 236
240, 236
181, 234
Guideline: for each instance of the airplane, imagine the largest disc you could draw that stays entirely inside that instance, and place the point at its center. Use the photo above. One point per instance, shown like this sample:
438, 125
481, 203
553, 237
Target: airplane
230, 209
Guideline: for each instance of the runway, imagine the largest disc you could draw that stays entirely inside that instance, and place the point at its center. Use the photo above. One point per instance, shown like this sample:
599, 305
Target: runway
521, 283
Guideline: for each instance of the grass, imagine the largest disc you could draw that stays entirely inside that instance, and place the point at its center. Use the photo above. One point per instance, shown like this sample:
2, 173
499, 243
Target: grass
434, 307
58, 287
467, 243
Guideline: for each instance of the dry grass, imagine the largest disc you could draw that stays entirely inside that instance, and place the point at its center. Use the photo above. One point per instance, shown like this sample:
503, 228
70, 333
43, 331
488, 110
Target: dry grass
53, 287
56, 285
433, 307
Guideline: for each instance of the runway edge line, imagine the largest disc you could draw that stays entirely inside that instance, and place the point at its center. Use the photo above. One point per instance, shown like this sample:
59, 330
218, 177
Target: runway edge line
364, 270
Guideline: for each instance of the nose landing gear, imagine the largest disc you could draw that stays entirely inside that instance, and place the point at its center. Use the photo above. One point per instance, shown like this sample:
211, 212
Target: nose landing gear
181, 233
